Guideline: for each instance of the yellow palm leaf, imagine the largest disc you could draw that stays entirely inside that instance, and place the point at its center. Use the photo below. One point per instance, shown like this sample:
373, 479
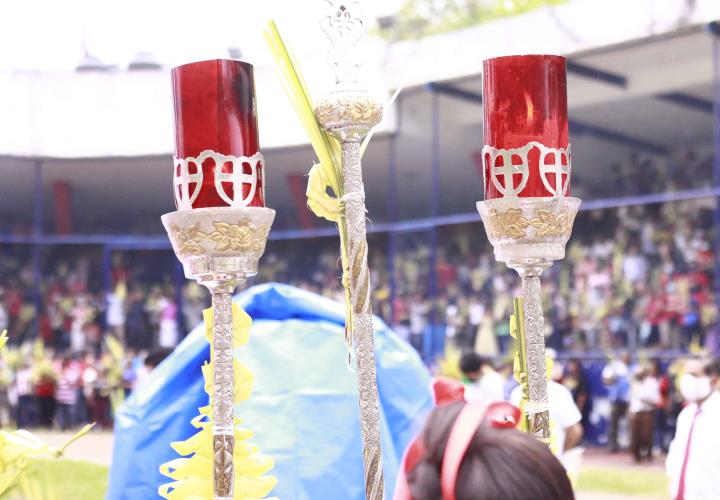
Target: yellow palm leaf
319, 201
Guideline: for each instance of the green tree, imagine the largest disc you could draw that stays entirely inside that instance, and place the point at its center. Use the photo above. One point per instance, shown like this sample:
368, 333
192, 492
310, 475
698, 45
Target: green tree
417, 18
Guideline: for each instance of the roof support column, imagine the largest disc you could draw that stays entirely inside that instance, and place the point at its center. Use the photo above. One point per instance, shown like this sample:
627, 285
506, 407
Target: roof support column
716, 156
107, 284
38, 209
436, 336
392, 208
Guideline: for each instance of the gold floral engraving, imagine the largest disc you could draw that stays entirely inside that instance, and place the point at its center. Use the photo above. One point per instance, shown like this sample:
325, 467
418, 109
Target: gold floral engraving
513, 224
540, 425
510, 224
348, 111
224, 470
241, 237
547, 223
188, 240
237, 237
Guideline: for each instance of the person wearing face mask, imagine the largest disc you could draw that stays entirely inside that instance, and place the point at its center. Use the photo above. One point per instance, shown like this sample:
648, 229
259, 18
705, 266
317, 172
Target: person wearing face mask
693, 461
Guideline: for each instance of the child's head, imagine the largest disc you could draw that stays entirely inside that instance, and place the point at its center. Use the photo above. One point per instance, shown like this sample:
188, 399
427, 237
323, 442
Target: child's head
499, 462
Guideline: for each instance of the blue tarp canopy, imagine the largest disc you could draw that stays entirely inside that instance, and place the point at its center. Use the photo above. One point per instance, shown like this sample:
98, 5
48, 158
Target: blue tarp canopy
304, 408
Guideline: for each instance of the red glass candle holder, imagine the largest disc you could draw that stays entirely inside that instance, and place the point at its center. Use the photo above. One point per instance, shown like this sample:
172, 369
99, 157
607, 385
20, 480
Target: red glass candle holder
217, 157
526, 151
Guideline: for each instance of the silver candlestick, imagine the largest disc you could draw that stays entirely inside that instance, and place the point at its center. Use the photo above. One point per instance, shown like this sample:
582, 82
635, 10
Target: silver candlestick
220, 248
528, 234
348, 113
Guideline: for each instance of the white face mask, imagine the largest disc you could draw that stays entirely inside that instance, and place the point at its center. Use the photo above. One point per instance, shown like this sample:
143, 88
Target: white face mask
694, 388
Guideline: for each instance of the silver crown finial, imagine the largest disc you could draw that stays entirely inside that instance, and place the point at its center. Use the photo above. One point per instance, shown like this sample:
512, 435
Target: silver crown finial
344, 27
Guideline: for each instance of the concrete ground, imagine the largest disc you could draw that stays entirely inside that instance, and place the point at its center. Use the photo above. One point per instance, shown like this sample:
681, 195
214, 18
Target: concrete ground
96, 447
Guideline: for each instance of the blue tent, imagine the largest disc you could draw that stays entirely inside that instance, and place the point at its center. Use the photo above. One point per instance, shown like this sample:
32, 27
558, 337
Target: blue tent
303, 409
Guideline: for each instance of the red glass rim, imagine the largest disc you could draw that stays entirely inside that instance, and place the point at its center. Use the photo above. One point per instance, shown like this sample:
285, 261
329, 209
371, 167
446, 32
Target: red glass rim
525, 57
213, 61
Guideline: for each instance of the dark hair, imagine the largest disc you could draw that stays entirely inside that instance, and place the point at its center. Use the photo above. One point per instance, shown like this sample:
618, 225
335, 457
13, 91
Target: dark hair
156, 357
712, 367
657, 366
499, 464
471, 362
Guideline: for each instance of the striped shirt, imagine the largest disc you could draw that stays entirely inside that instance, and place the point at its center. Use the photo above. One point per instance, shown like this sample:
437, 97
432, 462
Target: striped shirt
66, 391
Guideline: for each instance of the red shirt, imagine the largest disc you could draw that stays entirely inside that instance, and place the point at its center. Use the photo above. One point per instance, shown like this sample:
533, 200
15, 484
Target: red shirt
45, 387
446, 275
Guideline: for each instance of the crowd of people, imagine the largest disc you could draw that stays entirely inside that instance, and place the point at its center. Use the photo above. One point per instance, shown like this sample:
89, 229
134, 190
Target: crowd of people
643, 399
74, 361
642, 174
44, 388
670, 409
141, 305
637, 276
633, 277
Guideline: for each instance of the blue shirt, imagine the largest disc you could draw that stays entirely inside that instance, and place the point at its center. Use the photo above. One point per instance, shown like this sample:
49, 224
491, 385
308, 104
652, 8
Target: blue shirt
619, 389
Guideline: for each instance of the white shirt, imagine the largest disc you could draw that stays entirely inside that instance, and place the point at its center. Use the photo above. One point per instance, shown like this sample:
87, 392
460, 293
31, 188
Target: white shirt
3, 318
23, 382
615, 369
487, 389
635, 268
476, 313
644, 394
703, 468
564, 413
115, 310
417, 317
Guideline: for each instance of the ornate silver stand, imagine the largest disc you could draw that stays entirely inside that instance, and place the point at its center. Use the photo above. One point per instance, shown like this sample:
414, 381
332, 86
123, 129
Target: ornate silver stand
349, 113
220, 248
528, 234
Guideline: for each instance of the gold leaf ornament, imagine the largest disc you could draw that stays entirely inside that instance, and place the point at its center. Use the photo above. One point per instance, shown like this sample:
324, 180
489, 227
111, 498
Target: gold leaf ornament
233, 237
366, 110
188, 240
509, 224
512, 224
338, 111
547, 223
243, 236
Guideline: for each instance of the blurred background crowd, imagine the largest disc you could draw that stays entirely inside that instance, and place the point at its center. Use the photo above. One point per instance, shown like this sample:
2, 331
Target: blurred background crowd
635, 277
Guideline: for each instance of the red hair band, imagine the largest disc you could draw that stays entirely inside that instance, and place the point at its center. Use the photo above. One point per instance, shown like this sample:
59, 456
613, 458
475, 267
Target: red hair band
501, 414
